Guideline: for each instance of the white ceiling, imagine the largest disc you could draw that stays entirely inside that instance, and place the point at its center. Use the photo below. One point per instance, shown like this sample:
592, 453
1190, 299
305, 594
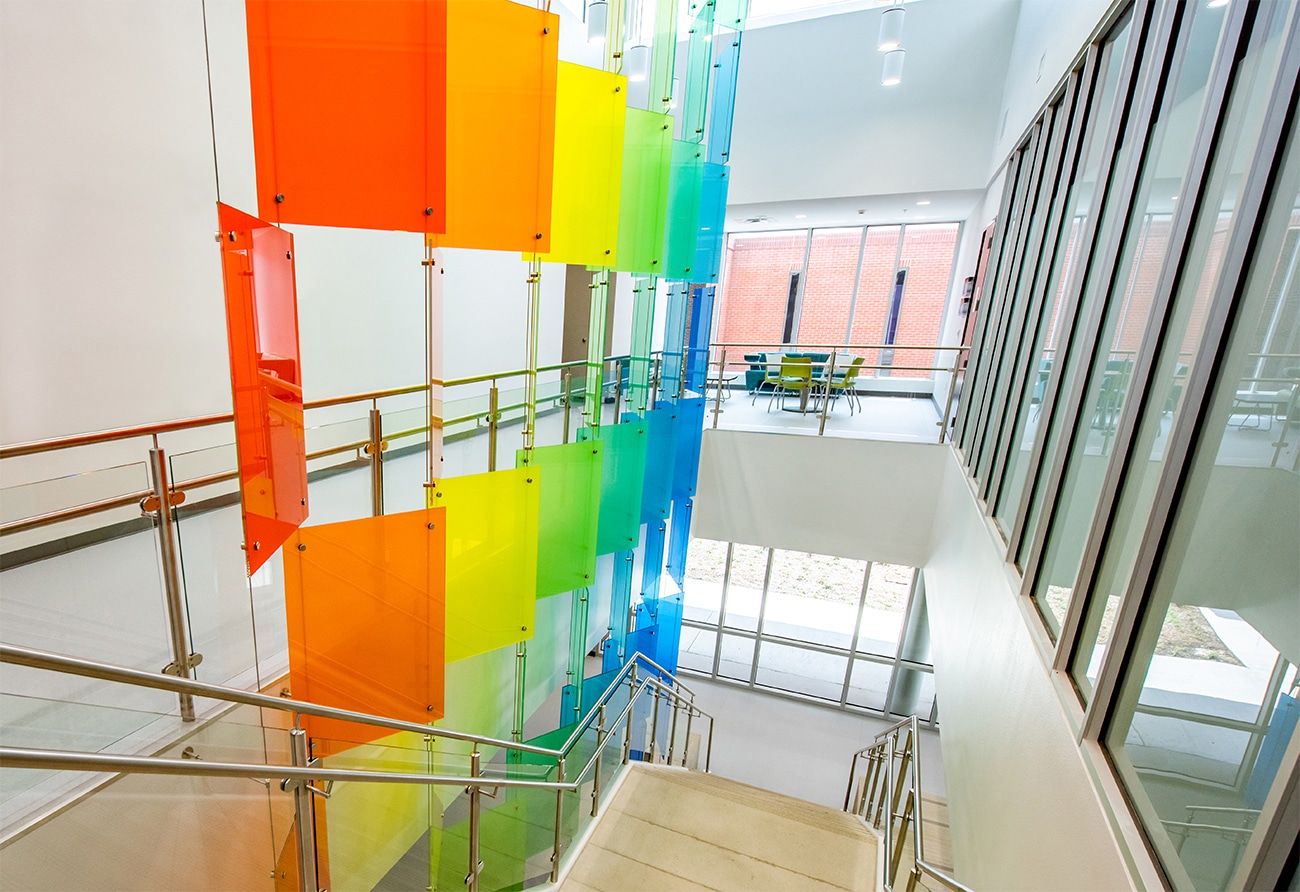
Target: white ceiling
813, 122
854, 210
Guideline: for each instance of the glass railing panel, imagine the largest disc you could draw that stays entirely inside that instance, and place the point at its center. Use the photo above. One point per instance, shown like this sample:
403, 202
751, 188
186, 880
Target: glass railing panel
37, 498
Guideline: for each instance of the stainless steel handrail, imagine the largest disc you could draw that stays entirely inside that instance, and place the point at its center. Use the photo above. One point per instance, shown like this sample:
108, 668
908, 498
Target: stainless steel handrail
882, 756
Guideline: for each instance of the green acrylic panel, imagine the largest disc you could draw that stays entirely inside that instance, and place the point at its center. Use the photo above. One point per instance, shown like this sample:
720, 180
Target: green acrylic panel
639, 359
699, 69
568, 514
663, 58
731, 14
713, 212
659, 463
492, 527
622, 478
643, 204
684, 192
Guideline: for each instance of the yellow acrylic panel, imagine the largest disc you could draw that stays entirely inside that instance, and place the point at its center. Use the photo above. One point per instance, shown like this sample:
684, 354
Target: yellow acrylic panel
590, 115
491, 558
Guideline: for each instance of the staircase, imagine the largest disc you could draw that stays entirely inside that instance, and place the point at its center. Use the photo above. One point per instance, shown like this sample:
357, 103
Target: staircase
667, 828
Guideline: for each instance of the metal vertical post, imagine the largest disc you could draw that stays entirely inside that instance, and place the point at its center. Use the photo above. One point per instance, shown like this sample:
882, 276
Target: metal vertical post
492, 426
618, 387
654, 727
568, 401
947, 403
655, 370
177, 622
717, 398
521, 669
672, 731
686, 747
306, 819
600, 753
471, 879
826, 394
559, 822
375, 449
708, 753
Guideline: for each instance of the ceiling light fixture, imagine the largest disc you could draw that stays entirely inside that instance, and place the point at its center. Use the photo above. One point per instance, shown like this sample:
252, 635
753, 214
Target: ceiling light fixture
636, 63
891, 29
1216, 4
892, 74
597, 19
801, 216
923, 203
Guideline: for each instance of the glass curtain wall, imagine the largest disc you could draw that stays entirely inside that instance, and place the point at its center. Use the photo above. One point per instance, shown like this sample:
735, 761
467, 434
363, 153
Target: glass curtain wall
846, 632
1132, 421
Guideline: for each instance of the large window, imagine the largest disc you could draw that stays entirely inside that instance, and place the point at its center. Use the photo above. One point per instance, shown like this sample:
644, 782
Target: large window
846, 632
875, 285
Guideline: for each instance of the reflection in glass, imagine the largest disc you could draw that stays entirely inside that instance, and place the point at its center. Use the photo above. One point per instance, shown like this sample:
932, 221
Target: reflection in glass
1127, 316
1207, 706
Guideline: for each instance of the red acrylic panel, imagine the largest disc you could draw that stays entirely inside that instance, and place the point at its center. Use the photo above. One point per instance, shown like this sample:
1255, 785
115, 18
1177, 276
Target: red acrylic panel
366, 607
501, 71
349, 112
265, 380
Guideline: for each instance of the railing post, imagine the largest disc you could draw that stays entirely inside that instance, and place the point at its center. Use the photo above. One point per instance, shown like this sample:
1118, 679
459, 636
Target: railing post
618, 387
306, 819
559, 822
853, 769
492, 426
952, 388
600, 753
672, 731
889, 820
471, 879
708, 754
686, 746
717, 399
826, 394
568, 400
654, 727
375, 449
177, 623
654, 380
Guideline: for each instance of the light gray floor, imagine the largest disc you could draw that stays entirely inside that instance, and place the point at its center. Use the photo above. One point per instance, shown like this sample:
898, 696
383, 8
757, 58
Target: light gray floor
799, 749
908, 419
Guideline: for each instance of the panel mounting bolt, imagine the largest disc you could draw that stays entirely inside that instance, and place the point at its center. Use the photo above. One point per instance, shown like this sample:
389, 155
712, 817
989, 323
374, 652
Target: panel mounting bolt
279, 198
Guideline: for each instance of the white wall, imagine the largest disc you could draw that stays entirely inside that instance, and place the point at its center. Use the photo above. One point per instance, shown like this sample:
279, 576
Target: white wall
1024, 813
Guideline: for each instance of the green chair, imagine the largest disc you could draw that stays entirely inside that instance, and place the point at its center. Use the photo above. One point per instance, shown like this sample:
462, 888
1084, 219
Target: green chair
795, 377
771, 374
846, 382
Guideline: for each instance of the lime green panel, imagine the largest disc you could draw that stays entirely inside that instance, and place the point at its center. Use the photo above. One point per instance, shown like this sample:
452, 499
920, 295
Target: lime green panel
491, 558
590, 109
643, 207
685, 185
663, 56
622, 477
569, 511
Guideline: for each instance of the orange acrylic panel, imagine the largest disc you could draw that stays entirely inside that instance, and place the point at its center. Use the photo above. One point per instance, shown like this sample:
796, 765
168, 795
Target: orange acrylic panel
265, 379
501, 70
349, 112
365, 606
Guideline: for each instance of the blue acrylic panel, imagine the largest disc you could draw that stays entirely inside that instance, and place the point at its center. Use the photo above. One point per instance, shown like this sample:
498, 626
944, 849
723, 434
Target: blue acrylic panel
727, 63
679, 539
668, 613
653, 560
712, 220
689, 430
656, 494
620, 601
676, 309
697, 343
643, 641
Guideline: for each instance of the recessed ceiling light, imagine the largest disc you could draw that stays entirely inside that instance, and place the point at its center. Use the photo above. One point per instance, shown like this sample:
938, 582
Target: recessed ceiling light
927, 201
800, 216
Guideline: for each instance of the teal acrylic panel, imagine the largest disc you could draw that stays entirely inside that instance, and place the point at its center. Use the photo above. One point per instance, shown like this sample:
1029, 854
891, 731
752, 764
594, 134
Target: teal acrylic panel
690, 428
676, 314
713, 217
621, 601
685, 183
679, 539
656, 495
592, 688
727, 46
622, 477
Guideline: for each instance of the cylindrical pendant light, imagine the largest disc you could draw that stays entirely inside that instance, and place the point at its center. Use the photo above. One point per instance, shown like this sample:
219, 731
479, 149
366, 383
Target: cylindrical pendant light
597, 20
636, 63
892, 75
891, 29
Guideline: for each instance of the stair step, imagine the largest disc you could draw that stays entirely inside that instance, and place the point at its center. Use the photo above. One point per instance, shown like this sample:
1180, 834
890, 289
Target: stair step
673, 829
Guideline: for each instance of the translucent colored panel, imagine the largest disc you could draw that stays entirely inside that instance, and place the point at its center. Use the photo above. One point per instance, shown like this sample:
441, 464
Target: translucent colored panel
593, 688
658, 463
724, 94
365, 610
684, 191
676, 315
698, 332
699, 67
265, 379
500, 125
690, 427
663, 56
620, 604
622, 476
639, 360
713, 218
491, 558
731, 13
679, 539
349, 112
652, 560
668, 617
590, 113
643, 205
569, 510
